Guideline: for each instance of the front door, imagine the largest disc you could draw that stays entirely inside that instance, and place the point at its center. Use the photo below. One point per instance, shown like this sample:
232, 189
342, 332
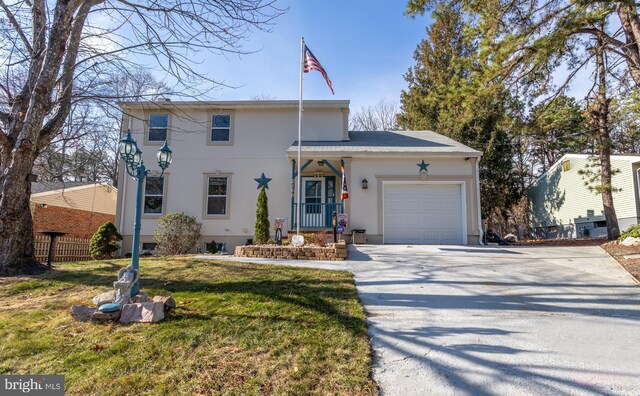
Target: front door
313, 196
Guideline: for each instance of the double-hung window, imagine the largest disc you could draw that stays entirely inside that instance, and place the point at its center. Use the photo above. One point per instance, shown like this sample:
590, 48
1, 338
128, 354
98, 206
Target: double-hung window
217, 195
153, 195
158, 127
220, 128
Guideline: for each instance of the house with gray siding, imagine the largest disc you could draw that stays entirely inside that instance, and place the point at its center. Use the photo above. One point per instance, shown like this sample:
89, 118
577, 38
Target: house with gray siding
562, 206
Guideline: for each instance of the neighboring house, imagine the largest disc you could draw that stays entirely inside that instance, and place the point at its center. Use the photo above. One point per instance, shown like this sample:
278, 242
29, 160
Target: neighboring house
78, 209
219, 148
562, 206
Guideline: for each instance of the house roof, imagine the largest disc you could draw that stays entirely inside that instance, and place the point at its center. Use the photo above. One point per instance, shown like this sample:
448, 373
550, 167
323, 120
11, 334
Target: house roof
40, 187
383, 143
235, 104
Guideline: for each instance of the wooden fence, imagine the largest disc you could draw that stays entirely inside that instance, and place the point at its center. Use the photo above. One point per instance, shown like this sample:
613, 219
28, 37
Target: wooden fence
66, 249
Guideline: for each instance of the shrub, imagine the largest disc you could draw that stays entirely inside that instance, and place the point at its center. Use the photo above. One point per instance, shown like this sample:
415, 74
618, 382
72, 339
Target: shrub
176, 233
262, 227
212, 247
633, 231
105, 241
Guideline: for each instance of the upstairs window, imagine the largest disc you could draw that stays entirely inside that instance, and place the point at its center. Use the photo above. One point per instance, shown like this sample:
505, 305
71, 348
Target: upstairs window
220, 128
153, 195
158, 126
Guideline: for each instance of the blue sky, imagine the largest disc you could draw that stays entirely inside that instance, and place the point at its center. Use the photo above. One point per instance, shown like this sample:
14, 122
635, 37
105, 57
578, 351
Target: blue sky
365, 46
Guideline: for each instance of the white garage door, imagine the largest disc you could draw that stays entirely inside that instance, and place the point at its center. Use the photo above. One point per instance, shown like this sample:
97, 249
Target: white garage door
423, 213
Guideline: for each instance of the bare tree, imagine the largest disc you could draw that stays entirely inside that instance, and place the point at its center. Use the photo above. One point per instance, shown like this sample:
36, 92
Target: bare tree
378, 117
52, 56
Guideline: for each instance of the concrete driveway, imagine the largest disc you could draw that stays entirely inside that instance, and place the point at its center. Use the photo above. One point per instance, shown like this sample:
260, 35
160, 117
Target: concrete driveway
460, 320
457, 320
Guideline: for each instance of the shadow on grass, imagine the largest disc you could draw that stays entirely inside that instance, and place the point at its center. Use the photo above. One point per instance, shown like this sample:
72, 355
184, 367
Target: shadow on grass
323, 296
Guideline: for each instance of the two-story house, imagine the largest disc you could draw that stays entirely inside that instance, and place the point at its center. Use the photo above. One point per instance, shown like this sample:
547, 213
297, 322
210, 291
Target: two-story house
404, 187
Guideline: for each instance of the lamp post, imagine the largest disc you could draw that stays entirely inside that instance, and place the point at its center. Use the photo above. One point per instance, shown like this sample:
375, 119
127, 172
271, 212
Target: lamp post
132, 157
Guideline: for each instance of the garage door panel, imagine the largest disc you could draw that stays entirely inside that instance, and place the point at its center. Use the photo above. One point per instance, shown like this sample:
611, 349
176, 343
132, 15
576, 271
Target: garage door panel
423, 213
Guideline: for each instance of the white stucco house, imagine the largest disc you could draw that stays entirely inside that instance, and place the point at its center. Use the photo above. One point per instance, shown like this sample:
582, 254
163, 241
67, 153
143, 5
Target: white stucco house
220, 148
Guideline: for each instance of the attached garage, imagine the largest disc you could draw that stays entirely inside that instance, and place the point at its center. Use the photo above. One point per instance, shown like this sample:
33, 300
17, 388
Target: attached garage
424, 213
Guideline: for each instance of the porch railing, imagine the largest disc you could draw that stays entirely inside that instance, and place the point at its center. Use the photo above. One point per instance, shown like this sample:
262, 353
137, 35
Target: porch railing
317, 215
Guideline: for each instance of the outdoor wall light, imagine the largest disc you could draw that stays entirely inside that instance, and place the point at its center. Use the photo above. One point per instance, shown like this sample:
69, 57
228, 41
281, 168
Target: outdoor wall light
320, 163
365, 184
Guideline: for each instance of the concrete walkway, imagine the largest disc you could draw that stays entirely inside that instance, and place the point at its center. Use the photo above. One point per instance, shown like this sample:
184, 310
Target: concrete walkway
458, 320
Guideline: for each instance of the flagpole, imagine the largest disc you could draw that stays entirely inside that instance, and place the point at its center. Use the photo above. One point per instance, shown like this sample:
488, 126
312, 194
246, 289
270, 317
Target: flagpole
299, 187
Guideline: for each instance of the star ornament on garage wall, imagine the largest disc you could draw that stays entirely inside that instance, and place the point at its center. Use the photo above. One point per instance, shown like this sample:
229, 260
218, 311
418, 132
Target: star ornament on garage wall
423, 167
263, 181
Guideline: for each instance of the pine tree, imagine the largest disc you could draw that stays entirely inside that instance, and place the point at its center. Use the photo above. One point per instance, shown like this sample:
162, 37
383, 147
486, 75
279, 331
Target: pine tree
105, 241
262, 227
446, 93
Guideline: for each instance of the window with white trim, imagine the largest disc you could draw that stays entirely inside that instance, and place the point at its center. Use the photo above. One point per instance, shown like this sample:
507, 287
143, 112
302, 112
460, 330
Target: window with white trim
220, 128
217, 195
153, 195
158, 126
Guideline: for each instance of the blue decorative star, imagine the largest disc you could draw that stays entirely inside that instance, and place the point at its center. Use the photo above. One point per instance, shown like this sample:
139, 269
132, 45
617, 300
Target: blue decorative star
263, 181
423, 166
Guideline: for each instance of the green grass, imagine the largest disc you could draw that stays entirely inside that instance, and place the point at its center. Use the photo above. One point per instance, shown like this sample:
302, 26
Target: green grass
239, 329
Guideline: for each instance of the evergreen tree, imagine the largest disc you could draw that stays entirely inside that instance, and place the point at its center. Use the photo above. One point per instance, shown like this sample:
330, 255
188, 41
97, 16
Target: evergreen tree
447, 94
262, 227
105, 241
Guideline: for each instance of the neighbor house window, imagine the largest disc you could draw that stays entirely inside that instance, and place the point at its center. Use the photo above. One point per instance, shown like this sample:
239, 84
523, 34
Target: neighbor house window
566, 165
599, 224
158, 127
217, 195
220, 128
153, 195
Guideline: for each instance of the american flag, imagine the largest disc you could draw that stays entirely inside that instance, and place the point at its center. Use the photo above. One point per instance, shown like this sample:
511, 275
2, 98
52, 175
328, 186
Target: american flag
312, 63
344, 192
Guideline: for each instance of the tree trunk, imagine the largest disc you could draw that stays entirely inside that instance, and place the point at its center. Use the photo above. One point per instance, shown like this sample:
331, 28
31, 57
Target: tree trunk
601, 114
630, 23
16, 226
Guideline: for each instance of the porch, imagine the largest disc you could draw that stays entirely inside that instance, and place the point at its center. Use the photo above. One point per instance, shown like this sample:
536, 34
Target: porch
319, 193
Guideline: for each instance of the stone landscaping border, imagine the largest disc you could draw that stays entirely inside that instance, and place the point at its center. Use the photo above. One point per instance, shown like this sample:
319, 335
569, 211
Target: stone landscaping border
332, 252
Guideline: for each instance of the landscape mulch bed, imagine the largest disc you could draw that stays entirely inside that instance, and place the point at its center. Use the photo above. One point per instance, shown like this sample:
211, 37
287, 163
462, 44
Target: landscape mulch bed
617, 251
563, 242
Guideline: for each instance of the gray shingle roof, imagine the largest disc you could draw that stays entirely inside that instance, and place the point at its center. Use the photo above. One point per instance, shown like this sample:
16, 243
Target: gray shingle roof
39, 187
388, 142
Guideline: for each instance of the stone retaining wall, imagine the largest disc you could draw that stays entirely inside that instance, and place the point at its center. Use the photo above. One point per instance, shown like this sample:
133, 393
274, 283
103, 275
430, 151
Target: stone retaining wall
332, 252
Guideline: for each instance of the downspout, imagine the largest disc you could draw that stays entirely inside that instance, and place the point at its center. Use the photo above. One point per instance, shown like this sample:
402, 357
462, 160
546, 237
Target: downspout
478, 201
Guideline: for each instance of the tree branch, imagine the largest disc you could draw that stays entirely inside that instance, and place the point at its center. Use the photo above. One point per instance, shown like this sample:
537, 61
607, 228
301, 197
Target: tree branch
17, 27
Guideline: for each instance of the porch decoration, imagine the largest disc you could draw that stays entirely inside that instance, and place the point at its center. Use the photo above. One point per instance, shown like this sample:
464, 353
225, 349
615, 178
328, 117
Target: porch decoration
344, 193
423, 167
263, 181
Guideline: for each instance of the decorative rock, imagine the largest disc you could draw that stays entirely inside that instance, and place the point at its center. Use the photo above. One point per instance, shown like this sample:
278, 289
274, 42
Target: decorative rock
147, 312
169, 302
140, 297
110, 307
510, 238
630, 241
105, 316
104, 298
82, 313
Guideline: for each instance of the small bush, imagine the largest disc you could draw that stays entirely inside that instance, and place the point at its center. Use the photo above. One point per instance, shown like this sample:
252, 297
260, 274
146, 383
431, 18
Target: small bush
262, 227
212, 247
176, 233
105, 241
633, 231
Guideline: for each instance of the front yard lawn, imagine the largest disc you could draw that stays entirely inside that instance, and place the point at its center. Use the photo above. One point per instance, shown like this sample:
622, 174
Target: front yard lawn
238, 329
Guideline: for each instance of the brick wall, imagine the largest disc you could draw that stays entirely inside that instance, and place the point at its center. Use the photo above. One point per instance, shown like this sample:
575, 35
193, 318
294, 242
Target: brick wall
76, 223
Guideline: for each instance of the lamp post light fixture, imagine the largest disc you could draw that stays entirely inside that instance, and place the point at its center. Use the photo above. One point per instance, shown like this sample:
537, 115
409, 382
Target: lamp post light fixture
132, 157
365, 184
